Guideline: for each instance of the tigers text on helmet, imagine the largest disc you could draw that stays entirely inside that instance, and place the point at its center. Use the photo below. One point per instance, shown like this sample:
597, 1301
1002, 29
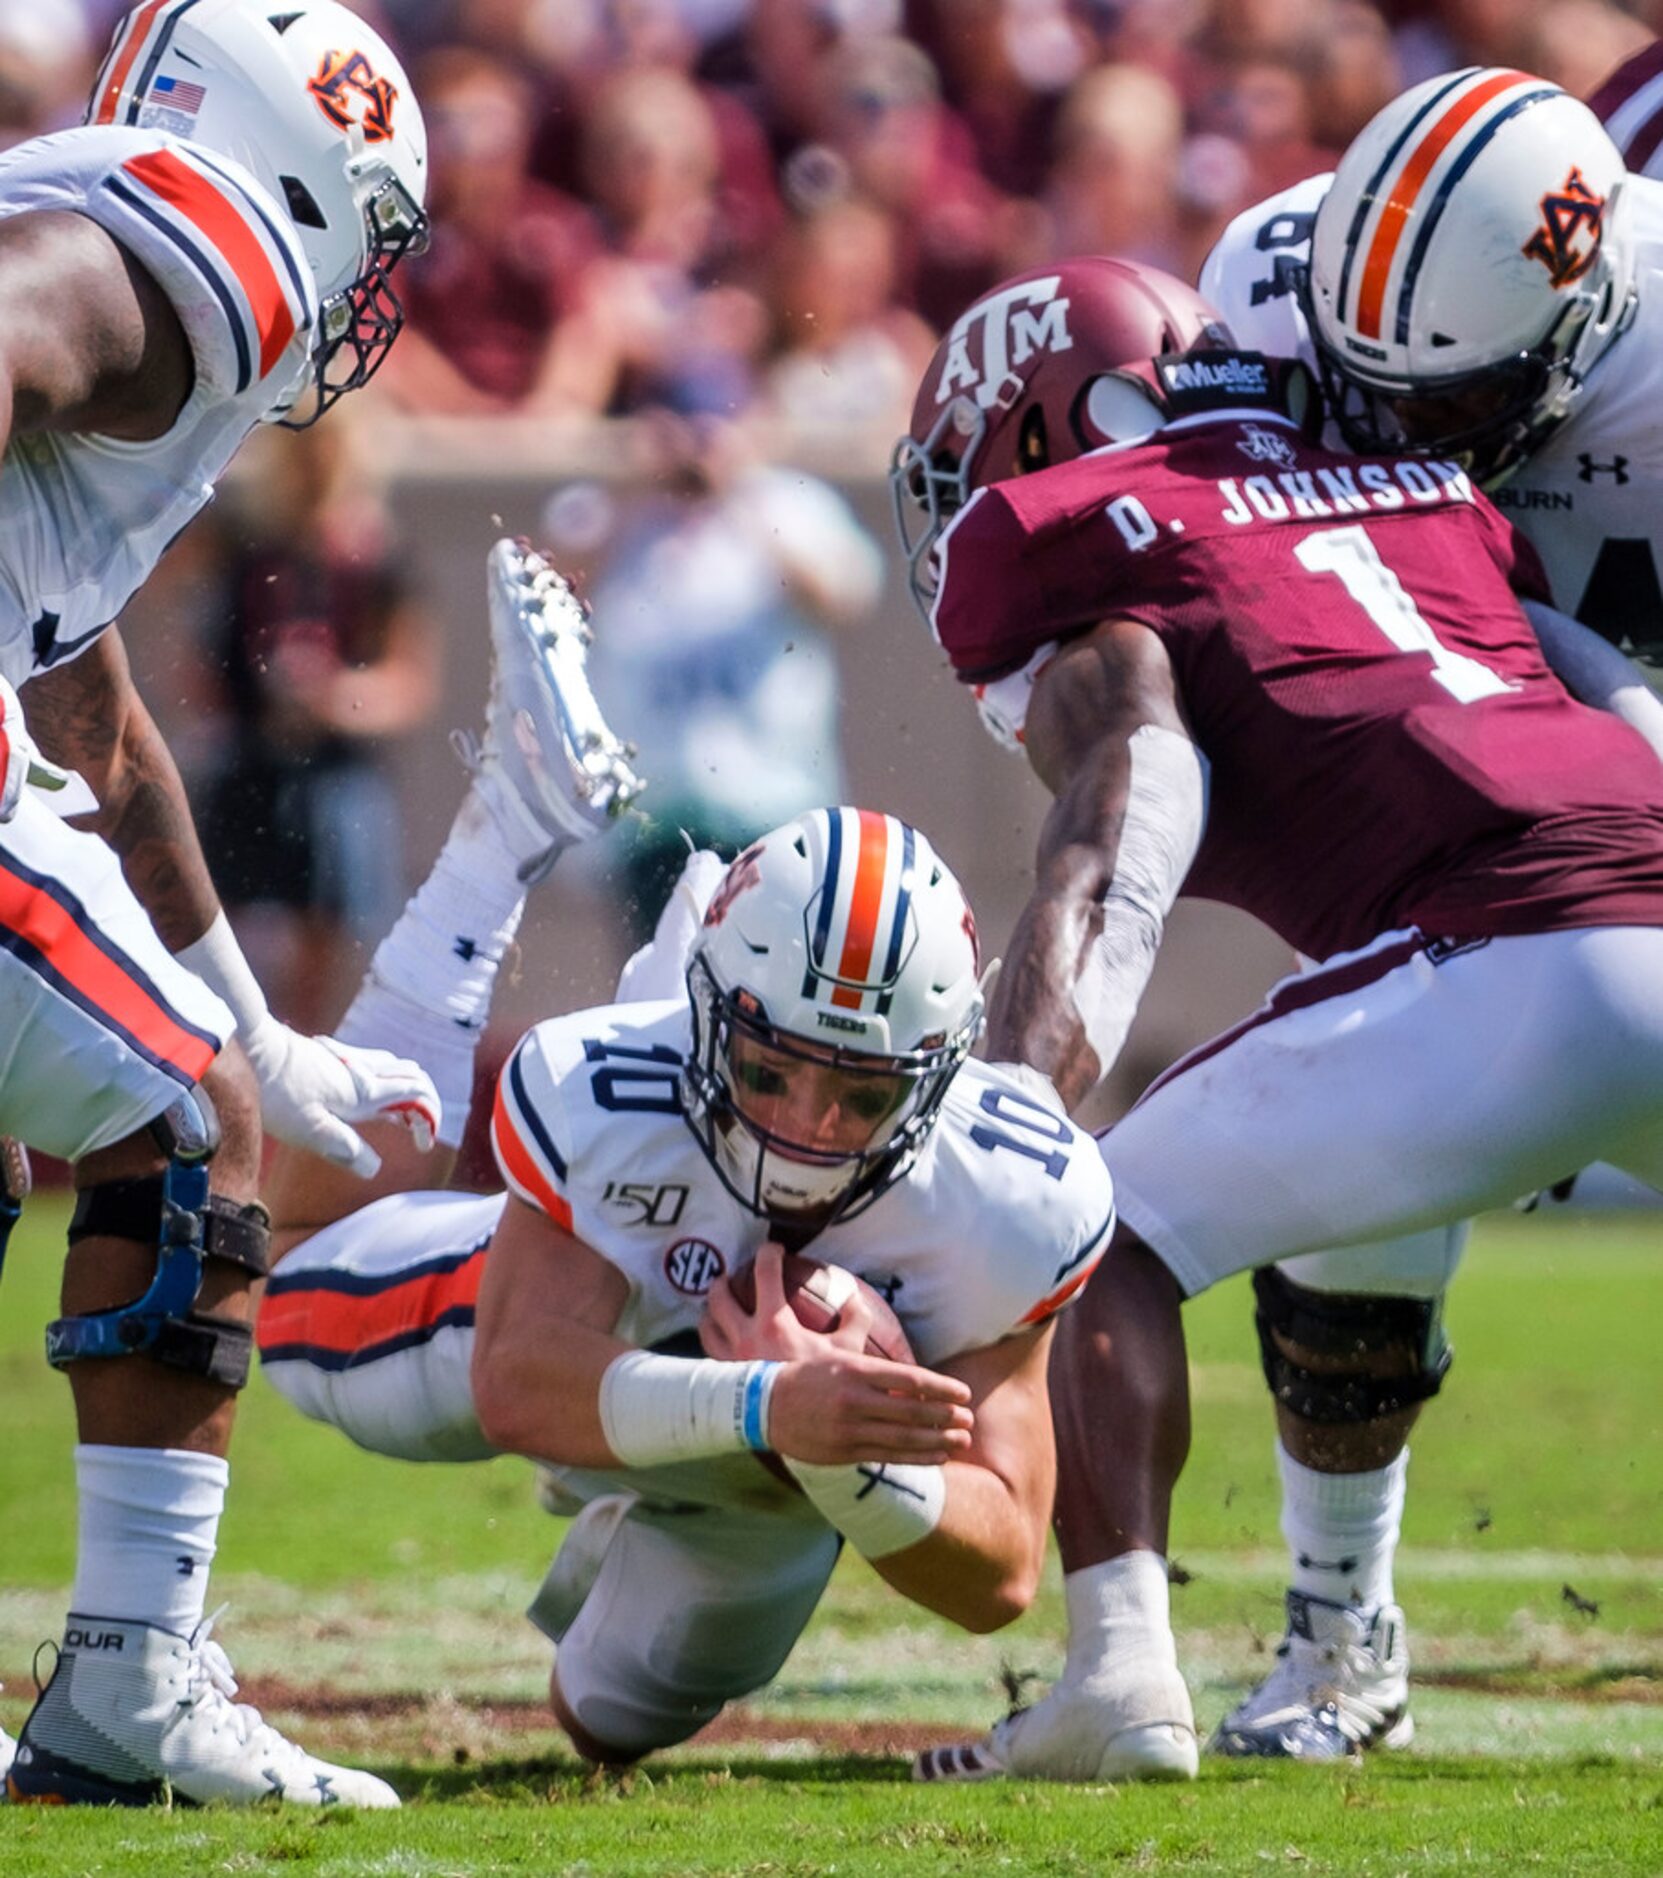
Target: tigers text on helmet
1469, 266
835, 992
312, 101
1016, 385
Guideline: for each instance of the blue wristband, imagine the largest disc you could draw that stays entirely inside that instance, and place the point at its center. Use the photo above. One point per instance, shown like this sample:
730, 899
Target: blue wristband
753, 1409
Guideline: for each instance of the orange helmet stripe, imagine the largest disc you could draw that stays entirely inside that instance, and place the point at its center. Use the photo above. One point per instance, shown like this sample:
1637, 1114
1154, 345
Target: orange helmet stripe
865, 904
1400, 201
125, 57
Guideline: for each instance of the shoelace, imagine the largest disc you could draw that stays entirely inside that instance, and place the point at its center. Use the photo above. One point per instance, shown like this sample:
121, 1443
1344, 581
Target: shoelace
1299, 1683
211, 1675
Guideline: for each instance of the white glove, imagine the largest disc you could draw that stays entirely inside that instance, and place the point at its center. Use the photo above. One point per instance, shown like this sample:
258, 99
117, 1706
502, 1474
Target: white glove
312, 1087
20, 761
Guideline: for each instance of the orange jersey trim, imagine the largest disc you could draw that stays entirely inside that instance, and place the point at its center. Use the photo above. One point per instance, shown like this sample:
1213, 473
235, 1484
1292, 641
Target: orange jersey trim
201, 203
51, 929
342, 1323
518, 1164
1049, 1306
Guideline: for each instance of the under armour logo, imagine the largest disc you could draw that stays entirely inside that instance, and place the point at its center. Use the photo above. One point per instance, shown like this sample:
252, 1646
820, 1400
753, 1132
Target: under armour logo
1618, 467
187, 1565
1307, 1563
1571, 211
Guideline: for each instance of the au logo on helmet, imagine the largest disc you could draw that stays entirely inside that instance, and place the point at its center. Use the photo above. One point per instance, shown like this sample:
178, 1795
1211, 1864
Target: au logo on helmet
1567, 214
346, 79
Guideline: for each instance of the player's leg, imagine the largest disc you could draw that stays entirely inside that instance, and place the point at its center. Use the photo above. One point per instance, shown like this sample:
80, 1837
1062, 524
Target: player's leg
14, 1190
112, 1065
547, 774
367, 1325
1353, 1346
670, 1611
1387, 1093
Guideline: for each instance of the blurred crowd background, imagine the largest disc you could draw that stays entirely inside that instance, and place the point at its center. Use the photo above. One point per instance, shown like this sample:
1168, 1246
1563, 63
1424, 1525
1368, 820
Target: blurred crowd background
727, 232
725, 206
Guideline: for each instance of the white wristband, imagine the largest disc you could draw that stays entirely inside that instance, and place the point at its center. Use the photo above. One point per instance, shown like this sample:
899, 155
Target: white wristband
218, 961
675, 1408
879, 1510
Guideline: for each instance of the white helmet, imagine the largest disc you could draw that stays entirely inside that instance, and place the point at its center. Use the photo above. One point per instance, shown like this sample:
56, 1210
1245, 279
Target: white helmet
1469, 265
313, 102
839, 958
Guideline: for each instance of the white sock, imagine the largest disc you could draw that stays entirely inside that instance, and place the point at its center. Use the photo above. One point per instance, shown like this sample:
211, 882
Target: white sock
428, 991
1119, 1611
1342, 1530
149, 1523
659, 969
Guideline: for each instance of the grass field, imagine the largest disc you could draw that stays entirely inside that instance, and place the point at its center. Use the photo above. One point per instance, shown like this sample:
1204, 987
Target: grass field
375, 1610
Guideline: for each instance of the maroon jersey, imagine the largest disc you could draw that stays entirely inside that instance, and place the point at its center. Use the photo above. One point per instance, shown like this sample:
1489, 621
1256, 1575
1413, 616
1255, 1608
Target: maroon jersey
1388, 747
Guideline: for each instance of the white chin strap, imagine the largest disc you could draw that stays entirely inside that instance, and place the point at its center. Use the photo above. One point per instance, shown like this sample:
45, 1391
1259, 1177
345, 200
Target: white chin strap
786, 1186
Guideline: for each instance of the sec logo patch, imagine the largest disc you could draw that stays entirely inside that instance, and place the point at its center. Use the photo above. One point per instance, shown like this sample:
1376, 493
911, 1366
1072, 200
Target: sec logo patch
693, 1266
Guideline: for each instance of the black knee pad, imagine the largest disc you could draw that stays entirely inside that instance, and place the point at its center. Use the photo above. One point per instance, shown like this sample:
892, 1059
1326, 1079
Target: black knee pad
1347, 1326
189, 1226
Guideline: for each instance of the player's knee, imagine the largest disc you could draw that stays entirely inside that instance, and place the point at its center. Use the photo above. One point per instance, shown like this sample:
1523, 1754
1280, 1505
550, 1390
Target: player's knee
231, 1088
1347, 1357
1000, 1604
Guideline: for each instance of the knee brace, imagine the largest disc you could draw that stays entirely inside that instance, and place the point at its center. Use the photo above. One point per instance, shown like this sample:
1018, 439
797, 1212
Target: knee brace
1349, 1327
188, 1225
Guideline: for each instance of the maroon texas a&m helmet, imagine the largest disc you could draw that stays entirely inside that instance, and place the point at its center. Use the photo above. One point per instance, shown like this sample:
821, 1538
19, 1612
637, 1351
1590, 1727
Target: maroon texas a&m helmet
1011, 387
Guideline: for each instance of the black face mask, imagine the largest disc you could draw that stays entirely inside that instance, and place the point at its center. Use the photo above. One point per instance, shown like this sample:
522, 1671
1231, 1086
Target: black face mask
359, 324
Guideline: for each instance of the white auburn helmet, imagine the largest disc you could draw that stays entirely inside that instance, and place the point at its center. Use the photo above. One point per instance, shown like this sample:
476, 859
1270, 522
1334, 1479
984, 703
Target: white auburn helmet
1473, 253
841, 940
313, 102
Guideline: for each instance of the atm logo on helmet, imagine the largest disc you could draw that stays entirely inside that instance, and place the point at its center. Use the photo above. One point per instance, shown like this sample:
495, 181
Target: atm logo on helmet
1569, 215
348, 92
1012, 326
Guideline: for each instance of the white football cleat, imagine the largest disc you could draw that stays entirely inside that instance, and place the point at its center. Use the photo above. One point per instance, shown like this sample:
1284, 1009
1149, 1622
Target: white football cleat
133, 1715
549, 766
1103, 1727
8, 1748
1340, 1685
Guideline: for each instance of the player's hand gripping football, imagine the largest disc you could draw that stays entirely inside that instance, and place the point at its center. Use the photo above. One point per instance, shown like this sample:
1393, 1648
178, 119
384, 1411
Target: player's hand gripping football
832, 1403
312, 1088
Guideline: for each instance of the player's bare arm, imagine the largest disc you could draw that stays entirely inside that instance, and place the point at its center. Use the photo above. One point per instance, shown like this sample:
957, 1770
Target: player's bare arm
1061, 1005
981, 1565
87, 716
1593, 670
88, 340
548, 1307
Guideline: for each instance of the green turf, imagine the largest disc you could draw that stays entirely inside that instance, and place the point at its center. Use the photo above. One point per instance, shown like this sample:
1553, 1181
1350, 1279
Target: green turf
1541, 1724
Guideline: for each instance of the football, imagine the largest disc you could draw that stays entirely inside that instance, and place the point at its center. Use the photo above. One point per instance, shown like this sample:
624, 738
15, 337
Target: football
817, 1292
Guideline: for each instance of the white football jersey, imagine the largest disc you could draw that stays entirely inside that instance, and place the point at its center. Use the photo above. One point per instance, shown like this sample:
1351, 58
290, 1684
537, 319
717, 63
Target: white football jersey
84, 519
1591, 498
996, 1225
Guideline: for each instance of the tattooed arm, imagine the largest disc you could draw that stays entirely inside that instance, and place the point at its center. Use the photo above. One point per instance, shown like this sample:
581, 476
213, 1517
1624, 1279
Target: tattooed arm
87, 716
